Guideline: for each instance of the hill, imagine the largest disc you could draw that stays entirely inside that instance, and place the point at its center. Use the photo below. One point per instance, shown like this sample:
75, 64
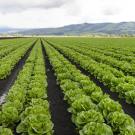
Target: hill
85, 28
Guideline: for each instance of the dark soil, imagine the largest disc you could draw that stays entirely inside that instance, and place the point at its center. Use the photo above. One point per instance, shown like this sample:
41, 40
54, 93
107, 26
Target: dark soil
5, 84
128, 108
58, 107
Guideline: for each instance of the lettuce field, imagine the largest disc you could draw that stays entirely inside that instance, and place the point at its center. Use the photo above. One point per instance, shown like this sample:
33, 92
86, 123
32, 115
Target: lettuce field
67, 86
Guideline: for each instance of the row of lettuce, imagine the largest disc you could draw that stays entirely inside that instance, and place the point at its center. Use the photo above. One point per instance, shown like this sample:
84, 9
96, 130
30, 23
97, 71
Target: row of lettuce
26, 109
128, 68
92, 111
113, 57
7, 48
4, 44
117, 53
104, 55
111, 77
123, 46
11, 55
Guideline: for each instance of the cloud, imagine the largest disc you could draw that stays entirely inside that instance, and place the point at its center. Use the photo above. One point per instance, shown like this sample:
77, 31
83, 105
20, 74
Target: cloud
7, 6
55, 13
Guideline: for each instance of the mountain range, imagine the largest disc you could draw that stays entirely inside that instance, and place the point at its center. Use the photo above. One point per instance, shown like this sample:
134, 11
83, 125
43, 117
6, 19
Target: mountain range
5, 30
79, 29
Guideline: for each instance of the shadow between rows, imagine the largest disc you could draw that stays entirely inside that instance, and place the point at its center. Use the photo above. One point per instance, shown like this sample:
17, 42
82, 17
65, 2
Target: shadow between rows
58, 107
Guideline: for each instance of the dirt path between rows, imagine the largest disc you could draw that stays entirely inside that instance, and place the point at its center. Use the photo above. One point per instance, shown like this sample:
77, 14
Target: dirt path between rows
58, 107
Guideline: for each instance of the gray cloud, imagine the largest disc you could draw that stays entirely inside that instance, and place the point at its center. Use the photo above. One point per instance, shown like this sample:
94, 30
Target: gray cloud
54, 13
21, 5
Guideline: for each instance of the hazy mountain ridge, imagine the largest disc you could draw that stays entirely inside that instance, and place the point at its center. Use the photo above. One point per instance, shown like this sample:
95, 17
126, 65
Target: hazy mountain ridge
5, 30
85, 28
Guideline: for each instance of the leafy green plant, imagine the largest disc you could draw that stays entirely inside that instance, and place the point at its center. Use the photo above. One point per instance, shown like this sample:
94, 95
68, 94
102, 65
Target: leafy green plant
85, 117
72, 95
130, 96
97, 96
8, 115
94, 128
82, 104
69, 85
36, 119
5, 131
122, 88
108, 106
120, 121
36, 124
128, 131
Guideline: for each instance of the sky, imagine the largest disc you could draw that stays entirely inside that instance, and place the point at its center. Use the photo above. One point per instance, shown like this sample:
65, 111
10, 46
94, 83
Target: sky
55, 13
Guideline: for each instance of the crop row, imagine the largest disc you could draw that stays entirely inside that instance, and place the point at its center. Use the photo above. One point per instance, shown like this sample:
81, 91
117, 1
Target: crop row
8, 62
36, 117
112, 78
7, 49
92, 111
123, 65
26, 102
15, 99
117, 60
118, 52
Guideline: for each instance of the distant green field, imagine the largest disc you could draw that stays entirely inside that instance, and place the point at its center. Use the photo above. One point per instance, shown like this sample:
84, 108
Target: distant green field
117, 42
